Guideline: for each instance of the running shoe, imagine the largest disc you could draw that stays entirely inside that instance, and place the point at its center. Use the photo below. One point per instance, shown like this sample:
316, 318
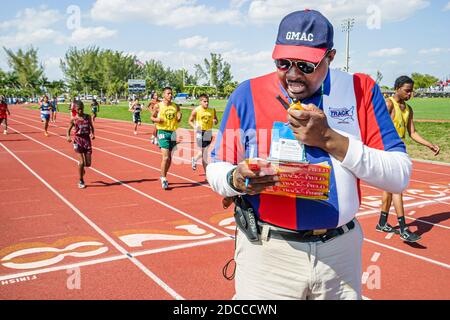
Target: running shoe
81, 185
135, 133
5, 132
193, 164
164, 183
386, 228
409, 236
46, 134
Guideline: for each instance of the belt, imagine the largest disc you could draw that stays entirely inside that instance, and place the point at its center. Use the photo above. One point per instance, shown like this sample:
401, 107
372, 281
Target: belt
324, 235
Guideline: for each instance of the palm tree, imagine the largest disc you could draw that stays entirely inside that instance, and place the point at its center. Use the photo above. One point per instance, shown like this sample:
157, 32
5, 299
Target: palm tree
25, 65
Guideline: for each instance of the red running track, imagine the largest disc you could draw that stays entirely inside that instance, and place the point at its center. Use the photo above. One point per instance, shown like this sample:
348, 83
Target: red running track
125, 238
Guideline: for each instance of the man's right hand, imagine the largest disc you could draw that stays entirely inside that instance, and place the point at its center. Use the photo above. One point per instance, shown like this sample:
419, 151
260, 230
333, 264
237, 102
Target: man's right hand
261, 174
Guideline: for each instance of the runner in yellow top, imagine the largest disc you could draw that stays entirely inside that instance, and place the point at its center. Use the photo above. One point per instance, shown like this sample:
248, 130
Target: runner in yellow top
205, 118
167, 116
402, 117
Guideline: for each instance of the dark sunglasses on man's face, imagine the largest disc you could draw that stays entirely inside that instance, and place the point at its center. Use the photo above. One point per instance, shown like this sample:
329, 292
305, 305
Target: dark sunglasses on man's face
304, 66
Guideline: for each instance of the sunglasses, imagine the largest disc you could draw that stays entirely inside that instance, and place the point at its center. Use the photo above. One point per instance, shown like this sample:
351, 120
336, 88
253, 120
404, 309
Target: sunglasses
304, 66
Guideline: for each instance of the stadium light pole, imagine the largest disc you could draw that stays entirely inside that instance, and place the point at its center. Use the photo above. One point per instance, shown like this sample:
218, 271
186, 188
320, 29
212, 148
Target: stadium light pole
347, 26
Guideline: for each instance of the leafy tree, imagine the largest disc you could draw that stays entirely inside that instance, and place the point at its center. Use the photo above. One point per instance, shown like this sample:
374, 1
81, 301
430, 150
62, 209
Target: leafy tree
229, 88
423, 81
56, 88
379, 77
215, 71
26, 67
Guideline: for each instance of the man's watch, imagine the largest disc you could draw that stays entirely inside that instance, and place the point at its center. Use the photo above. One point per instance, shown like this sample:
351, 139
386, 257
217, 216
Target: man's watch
230, 180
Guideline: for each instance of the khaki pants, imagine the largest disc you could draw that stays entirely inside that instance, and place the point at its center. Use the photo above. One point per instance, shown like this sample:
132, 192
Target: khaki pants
277, 269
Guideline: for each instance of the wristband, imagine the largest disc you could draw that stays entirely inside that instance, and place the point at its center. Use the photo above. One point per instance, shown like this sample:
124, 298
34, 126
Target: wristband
230, 180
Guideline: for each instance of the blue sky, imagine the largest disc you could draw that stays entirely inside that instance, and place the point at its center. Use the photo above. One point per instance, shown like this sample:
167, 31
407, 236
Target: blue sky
395, 37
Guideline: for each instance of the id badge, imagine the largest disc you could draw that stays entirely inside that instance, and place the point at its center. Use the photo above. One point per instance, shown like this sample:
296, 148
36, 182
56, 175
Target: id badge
284, 146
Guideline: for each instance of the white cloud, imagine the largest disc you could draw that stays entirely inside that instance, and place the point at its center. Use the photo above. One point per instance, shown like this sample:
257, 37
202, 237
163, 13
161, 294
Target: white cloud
387, 52
271, 11
32, 19
31, 26
202, 43
52, 68
41, 26
434, 51
193, 42
176, 13
447, 7
36, 37
85, 35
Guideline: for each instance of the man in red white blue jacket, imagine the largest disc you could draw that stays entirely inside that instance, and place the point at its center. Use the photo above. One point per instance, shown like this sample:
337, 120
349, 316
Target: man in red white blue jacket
307, 249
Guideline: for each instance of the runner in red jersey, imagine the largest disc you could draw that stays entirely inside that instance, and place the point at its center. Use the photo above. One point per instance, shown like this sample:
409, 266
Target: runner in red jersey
4, 112
73, 109
84, 132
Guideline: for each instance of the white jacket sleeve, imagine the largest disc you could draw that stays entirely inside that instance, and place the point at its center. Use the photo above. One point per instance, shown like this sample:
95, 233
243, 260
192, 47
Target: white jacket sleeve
216, 173
389, 171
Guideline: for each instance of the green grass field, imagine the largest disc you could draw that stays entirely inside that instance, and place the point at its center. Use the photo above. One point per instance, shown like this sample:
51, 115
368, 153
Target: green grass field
424, 109
430, 108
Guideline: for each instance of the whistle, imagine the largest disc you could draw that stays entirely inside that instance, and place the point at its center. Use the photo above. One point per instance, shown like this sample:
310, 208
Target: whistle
296, 105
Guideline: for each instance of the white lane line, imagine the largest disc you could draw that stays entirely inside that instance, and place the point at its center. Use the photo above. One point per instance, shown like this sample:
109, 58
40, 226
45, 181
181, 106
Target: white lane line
438, 263
413, 205
43, 237
375, 257
28, 217
427, 171
389, 235
122, 206
411, 213
13, 190
430, 183
415, 195
109, 259
130, 187
7, 203
95, 227
179, 246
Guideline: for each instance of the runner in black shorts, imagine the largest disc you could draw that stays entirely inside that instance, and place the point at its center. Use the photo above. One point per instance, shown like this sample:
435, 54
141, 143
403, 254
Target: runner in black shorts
136, 108
202, 120
203, 138
95, 108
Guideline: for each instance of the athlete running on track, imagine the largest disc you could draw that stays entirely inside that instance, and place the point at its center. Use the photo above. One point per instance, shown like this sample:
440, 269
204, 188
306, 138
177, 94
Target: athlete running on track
54, 108
136, 108
4, 112
72, 108
84, 132
202, 120
95, 108
167, 116
402, 117
45, 108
